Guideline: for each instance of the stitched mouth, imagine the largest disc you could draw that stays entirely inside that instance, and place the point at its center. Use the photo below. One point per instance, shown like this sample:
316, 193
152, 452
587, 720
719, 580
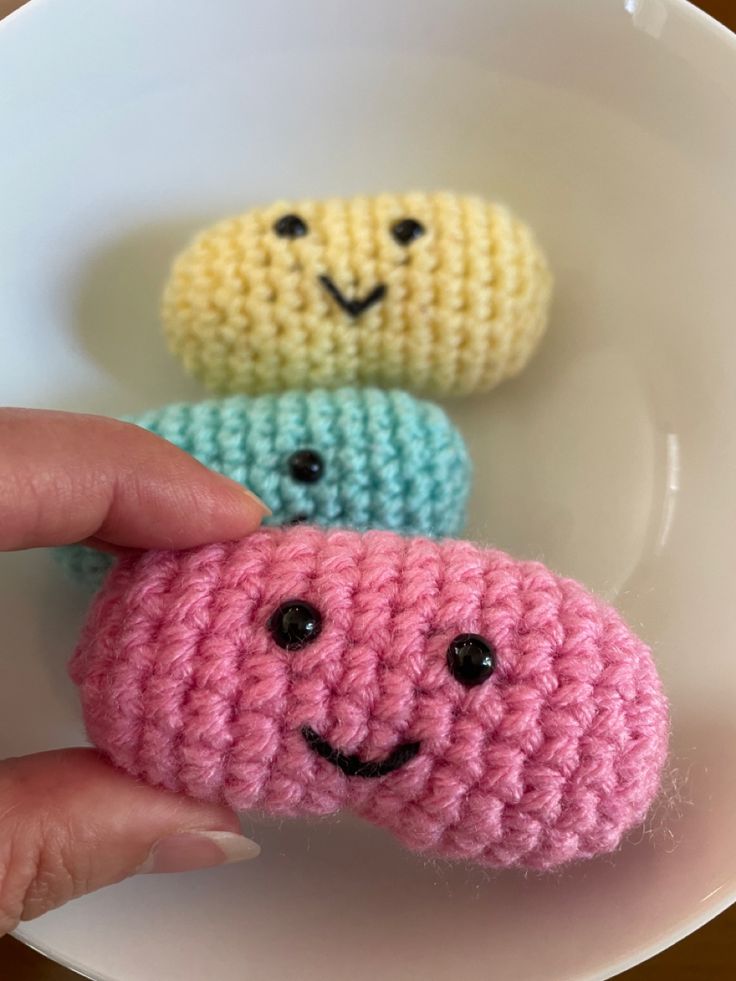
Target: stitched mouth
353, 307
352, 765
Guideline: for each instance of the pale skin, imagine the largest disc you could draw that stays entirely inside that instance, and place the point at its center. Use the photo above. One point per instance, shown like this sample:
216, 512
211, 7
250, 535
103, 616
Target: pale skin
69, 822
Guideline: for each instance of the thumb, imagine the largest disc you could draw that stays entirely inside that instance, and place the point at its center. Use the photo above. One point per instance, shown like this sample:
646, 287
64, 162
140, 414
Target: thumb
70, 823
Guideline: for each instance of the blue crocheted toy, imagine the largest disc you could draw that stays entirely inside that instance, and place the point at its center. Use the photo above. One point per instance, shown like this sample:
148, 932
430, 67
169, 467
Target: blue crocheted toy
355, 457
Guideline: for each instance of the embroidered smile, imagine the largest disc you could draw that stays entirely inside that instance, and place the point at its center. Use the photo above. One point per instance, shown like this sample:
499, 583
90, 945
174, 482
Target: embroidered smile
355, 306
352, 765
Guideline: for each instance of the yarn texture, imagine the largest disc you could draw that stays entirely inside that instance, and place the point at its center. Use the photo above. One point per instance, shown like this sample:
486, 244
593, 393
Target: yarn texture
387, 461
436, 293
549, 752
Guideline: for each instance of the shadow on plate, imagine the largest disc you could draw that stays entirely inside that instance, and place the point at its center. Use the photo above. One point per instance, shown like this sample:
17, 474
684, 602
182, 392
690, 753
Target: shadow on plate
61, 610
117, 311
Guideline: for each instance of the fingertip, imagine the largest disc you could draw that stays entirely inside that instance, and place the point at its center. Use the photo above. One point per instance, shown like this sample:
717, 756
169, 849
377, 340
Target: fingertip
263, 509
236, 511
66, 478
254, 507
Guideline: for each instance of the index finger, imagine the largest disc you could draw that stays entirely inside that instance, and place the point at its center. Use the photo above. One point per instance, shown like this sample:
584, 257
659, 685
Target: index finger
66, 477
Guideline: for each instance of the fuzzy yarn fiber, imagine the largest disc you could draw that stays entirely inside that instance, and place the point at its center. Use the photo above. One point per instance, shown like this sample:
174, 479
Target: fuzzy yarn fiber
552, 757
388, 461
436, 293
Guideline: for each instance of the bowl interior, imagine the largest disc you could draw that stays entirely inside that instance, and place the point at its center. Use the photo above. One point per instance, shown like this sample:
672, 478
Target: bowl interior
608, 126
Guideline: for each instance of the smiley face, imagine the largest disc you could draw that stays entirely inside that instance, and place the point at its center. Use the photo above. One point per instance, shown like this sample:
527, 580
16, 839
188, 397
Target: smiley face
359, 458
477, 707
437, 293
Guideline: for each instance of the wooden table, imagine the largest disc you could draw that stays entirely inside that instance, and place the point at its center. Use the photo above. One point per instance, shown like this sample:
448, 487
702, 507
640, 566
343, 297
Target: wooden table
707, 955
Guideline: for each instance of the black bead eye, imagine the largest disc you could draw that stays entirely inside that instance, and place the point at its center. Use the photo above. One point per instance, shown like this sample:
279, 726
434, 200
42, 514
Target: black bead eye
306, 466
290, 226
471, 659
295, 624
406, 230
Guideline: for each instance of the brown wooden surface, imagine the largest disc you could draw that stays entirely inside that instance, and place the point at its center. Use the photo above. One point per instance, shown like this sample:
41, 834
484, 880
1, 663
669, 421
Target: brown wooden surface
707, 955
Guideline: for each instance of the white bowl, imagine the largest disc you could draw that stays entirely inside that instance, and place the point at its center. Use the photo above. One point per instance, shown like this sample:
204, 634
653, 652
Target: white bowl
610, 127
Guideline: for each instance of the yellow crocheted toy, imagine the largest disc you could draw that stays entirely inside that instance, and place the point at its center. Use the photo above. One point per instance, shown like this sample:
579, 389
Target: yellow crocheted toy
436, 293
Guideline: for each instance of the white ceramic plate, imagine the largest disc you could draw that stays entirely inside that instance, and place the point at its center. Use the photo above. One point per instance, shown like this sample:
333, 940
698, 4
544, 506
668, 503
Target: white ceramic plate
610, 127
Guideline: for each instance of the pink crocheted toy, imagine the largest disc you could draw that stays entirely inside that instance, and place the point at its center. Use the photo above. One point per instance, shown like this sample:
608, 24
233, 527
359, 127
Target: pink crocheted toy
478, 707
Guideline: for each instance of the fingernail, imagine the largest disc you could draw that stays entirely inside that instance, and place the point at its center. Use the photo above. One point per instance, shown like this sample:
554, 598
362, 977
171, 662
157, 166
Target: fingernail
257, 501
248, 494
252, 498
198, 850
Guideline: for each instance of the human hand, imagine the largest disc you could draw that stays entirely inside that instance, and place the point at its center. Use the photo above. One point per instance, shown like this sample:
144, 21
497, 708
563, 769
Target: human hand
69, 822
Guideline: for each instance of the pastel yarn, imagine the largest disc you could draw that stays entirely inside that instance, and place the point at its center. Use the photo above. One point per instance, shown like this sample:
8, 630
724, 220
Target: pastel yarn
552, 756
436, 293
388, 461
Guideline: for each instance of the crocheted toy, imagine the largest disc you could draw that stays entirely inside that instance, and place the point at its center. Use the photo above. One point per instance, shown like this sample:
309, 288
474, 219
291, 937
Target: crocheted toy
361, 458
438, 293
478, 707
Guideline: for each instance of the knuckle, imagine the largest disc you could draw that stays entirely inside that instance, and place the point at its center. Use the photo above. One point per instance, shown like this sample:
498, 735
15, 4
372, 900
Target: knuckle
18, 868
56, 878
38, 870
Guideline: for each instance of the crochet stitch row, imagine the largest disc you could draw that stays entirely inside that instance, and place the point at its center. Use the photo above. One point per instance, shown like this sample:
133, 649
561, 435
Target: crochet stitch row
437, 293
